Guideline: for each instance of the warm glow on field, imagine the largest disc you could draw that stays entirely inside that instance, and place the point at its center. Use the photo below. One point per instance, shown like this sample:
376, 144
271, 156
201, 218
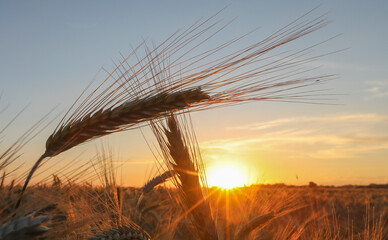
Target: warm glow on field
227, 176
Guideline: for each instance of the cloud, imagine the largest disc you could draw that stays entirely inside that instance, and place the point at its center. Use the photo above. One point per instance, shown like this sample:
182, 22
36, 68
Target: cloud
345, 118
377, 89
334, 136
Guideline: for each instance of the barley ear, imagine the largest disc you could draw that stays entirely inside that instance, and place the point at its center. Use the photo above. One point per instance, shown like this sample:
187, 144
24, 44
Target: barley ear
181, 161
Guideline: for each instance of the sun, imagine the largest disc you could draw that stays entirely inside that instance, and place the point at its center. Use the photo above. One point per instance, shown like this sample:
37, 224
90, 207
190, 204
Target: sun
227, 176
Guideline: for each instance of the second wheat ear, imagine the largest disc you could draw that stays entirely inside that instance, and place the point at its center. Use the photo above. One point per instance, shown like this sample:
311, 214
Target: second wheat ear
177, 150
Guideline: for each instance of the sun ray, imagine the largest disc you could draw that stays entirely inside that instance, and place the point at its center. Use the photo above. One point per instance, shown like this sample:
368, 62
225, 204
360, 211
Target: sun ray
227, 176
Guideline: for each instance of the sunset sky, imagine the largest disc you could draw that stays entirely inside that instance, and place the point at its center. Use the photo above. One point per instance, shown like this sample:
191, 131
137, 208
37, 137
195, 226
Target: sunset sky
51, 50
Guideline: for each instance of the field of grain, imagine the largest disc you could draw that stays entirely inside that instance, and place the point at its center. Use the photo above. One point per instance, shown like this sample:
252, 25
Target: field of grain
80, 212
158, 88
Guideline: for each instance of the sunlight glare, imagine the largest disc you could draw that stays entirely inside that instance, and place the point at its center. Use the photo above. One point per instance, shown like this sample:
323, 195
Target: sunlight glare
227, 176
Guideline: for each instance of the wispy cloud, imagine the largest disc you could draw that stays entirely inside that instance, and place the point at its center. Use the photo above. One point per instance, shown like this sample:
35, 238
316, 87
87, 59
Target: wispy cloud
342, 136
377, 89
345, 118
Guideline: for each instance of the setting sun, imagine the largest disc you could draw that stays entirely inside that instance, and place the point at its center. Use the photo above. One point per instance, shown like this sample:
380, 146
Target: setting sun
227, 176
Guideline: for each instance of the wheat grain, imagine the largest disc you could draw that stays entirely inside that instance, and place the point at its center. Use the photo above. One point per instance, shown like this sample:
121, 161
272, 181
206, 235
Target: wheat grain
128, 114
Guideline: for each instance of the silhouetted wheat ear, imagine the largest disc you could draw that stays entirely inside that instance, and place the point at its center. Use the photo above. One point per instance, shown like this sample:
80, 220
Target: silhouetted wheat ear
157, 180
124, 233
182, 163
127, 114
27, 227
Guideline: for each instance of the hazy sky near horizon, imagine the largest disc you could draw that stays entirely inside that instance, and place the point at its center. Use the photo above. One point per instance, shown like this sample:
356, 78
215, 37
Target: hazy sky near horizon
50, 50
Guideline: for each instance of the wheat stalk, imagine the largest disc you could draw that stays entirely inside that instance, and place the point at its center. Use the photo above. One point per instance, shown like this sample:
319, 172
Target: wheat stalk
2, 180
179, 157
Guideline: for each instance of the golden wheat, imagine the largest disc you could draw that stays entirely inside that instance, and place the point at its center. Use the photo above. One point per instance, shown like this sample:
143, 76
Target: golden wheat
166, 79
178, 156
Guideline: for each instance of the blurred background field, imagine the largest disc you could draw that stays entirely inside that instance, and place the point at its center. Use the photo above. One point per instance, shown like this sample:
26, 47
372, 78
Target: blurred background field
312, 212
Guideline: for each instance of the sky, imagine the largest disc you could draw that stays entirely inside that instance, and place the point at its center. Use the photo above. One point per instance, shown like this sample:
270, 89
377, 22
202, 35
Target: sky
51, 50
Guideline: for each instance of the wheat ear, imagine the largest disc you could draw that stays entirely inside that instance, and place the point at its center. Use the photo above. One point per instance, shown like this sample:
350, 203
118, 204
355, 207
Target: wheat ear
127, 114
124, 233
180, 160
26, 227
151, 185
107, 121
157, 180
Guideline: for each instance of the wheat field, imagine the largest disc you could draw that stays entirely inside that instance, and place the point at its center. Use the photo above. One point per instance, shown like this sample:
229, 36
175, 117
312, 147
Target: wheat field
158, 88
